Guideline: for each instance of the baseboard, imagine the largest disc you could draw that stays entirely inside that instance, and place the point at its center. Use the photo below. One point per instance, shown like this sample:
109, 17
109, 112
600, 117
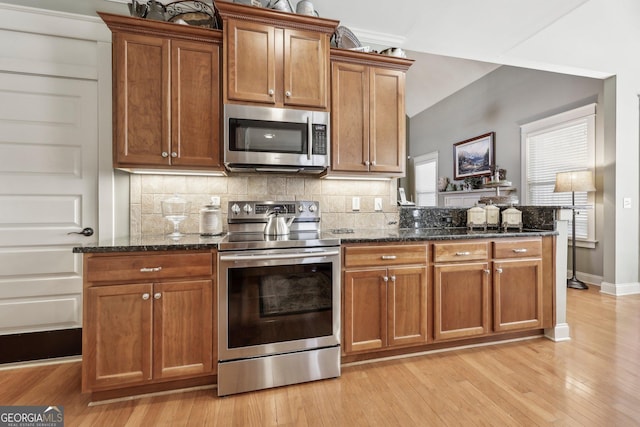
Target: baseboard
40, 345
620, 289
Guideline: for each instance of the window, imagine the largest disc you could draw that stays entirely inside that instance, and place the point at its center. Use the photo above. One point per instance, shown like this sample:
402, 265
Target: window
560, 143
426, 179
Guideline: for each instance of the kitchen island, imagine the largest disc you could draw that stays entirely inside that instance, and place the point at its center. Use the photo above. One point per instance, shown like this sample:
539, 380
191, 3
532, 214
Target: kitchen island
445, 287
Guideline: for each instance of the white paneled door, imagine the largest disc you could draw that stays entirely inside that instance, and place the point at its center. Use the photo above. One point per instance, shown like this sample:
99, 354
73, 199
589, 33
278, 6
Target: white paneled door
48, 189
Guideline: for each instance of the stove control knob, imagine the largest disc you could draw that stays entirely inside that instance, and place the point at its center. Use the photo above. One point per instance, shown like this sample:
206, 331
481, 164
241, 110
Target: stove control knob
247, 208
312, 207
235, 209
301, 208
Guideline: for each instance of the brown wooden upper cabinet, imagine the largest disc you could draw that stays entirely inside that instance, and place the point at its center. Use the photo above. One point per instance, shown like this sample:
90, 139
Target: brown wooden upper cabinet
368, 129
166, 94
275, 58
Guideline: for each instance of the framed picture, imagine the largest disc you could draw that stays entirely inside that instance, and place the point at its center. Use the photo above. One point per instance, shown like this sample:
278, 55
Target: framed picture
474, 157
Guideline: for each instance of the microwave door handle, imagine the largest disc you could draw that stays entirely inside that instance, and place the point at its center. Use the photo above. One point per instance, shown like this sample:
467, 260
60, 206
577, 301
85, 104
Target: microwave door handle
309, 138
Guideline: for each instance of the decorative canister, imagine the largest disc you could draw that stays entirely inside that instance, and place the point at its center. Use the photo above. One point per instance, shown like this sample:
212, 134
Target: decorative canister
493, 215
211, 218
511, 218
476, 217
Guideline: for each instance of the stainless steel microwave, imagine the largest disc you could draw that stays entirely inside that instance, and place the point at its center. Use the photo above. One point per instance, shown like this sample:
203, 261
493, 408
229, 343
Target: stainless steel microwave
268, 139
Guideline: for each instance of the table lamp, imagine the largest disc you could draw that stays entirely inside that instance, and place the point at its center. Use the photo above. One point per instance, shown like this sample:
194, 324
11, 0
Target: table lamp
574, 181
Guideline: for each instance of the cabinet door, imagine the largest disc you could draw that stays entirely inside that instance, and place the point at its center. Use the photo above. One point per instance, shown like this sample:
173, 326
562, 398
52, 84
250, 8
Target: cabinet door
306, 68
517, 294
407, 306
387, 111
195, 104
117, 337
182, 336
365, 308
141, 97
349, 117
461, 300
251, 62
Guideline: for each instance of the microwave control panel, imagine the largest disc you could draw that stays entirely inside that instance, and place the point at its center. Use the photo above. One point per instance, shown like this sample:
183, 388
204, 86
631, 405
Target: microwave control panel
319, 139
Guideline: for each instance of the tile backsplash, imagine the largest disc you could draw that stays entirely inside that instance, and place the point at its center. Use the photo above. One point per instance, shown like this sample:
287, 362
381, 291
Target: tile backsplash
334, 196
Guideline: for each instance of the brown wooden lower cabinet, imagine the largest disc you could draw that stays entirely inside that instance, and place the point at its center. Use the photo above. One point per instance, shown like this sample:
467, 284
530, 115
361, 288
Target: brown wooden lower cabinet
138, 333
473, 289
461, 300
384, 307
517, 285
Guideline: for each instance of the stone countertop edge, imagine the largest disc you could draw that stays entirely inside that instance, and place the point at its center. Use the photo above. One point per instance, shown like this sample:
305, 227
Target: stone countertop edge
195, 242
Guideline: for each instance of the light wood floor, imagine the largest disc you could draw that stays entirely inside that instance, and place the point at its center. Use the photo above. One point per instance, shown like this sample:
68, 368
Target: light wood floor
592, 380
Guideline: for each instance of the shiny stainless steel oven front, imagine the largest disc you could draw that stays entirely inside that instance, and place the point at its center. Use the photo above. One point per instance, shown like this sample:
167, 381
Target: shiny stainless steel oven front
279, 317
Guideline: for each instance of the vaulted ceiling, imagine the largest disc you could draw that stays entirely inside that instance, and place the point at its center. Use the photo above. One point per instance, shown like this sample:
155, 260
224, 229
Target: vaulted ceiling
455, 42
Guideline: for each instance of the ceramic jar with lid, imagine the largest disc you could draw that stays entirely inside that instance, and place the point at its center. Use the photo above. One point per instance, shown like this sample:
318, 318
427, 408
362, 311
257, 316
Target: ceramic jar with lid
211, 218
476, 217
511, 218
493, 215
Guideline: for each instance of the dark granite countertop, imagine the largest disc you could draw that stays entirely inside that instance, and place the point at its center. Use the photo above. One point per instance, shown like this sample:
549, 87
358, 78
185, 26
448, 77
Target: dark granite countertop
196, 242
422, 234
151, 243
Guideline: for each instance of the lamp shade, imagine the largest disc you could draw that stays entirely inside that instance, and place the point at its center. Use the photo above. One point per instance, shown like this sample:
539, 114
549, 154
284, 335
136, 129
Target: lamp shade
574, 181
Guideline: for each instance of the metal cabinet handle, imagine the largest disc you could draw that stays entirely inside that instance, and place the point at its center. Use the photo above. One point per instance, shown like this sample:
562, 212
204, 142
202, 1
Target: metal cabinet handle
465, 253
288, 94
174, 154
498, 270
520, 251
367, 163
145, 296
270, 92
389, 257
373, 163
487, 271
87, 231
150, 269
393, 279
157, 295
385, 278
165, 154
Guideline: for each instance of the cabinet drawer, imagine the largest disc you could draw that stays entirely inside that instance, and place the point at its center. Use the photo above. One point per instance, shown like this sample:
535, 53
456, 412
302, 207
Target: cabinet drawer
148, 267
517, 248
467, 251
363, 256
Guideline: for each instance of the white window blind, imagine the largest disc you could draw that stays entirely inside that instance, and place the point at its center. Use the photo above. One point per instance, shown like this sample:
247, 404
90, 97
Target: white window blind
426, 179
560, 143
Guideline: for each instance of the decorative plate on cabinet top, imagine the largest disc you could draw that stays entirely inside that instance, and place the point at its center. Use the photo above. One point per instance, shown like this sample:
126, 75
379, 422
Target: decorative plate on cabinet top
344, 39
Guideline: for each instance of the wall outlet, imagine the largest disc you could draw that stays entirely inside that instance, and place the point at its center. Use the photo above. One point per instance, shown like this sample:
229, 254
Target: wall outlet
355, 204
377, 204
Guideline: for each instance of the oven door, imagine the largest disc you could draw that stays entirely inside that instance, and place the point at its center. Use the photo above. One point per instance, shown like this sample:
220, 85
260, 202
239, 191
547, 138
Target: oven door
277, 301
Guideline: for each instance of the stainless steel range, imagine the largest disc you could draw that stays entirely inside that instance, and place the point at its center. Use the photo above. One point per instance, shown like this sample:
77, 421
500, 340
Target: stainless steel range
278, 298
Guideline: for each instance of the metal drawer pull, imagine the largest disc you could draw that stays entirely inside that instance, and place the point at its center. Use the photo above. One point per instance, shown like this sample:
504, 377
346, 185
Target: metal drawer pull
520, 251
150, 269
145, 296
157, 295
388, 257
466, 253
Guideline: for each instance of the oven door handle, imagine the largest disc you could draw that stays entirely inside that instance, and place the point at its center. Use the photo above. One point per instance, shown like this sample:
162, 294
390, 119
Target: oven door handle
277, 256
